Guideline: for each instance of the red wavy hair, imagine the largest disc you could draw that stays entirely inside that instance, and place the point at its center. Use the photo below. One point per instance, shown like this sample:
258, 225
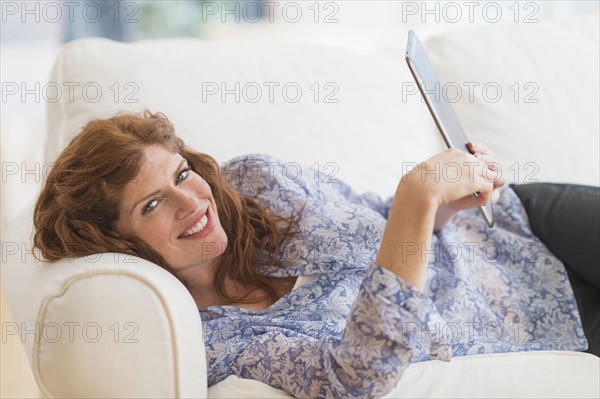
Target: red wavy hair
75, 213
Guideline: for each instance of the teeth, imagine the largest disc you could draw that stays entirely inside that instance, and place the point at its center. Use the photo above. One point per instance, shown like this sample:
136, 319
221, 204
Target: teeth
197, 228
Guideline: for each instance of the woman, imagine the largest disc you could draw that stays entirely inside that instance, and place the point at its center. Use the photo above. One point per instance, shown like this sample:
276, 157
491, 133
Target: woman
302, 283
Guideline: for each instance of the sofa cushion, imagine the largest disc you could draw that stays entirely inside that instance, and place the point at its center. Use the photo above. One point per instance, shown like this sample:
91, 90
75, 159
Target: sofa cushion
499, 375
535, 95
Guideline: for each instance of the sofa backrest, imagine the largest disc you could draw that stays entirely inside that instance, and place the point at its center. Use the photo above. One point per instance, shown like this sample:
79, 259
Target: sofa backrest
529, 91
318, 106
535, 95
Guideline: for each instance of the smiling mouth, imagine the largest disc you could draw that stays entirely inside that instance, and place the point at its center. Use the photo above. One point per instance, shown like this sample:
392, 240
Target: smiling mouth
197, 228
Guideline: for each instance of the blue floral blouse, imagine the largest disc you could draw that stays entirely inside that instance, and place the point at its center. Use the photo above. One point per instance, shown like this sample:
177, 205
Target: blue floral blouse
355, 328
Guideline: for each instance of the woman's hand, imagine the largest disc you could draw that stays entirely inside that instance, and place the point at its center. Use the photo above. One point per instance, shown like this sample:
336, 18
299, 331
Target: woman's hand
492, 173
438, 186
452, 176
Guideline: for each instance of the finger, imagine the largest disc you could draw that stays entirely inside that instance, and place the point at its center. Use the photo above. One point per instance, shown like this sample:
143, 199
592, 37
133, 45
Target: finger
477, 147
487, 159
471, 147
488, 173
484, 191
491, 174
501, 182
495, 196
482, 198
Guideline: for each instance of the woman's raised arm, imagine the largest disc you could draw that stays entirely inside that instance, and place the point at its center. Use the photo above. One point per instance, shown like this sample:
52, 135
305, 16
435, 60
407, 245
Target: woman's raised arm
442, 179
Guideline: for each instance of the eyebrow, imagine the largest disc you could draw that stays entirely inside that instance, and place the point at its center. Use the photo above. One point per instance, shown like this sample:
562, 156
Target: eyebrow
152, 194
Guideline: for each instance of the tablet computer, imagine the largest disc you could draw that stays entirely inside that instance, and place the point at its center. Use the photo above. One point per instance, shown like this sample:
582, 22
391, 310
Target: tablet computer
441, 110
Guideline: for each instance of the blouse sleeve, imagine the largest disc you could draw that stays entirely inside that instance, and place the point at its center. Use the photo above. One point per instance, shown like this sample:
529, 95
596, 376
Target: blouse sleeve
390, 324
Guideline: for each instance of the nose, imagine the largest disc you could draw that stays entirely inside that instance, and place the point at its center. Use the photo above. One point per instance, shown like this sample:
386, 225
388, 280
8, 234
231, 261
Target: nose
186, 203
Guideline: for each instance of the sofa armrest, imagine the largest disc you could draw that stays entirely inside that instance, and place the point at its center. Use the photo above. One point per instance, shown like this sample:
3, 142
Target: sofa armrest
110, 315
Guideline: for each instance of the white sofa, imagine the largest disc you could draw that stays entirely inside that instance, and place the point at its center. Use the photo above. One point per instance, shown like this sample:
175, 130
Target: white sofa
118, 326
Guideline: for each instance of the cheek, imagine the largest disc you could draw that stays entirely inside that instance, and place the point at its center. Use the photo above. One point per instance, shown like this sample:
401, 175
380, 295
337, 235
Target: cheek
152, 230
156, 231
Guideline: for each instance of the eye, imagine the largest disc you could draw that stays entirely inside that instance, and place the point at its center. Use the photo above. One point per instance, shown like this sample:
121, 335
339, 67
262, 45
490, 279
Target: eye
184, 174
150, 206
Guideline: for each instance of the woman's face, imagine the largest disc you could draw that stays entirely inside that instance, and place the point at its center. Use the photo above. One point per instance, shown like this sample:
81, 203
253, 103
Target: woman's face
171, 209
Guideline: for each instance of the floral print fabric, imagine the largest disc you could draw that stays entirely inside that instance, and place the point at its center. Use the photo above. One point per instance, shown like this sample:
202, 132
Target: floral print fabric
353, 330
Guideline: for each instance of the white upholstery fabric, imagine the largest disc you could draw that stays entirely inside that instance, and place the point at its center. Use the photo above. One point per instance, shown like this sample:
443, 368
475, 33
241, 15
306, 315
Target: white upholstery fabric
508, 375
550, 131
105, 331
366, 135
109, 325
